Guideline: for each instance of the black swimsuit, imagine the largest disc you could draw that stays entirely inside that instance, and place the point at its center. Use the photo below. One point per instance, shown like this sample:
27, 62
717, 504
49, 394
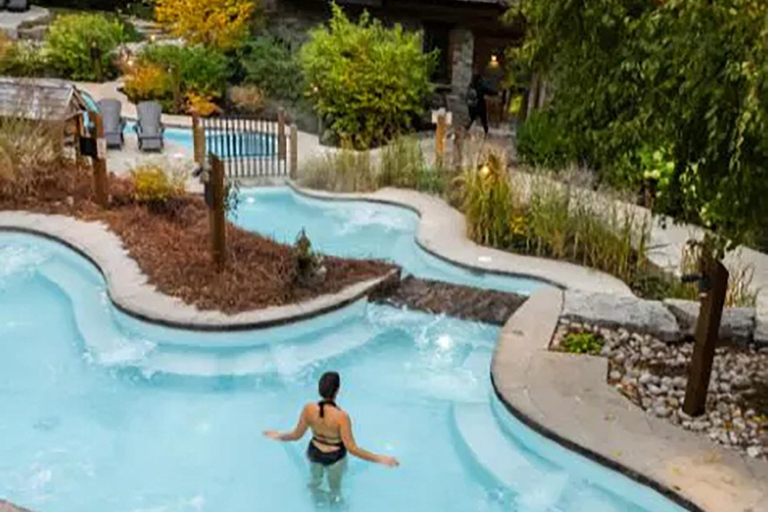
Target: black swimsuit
318, 456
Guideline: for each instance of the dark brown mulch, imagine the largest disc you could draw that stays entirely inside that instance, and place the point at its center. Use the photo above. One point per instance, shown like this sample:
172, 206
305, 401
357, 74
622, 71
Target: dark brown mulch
171, 247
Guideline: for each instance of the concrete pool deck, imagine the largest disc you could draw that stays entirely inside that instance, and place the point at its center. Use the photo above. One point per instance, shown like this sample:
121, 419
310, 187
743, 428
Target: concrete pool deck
566, 397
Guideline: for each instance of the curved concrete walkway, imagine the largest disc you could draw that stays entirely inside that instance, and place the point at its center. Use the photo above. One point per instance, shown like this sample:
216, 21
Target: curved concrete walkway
131, 292
566, 398
442, 232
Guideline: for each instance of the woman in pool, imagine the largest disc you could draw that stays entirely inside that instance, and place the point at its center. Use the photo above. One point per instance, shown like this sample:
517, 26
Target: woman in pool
331, 436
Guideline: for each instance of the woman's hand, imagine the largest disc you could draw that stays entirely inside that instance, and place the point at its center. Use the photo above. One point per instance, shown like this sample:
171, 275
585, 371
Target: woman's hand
272, 434
388, 461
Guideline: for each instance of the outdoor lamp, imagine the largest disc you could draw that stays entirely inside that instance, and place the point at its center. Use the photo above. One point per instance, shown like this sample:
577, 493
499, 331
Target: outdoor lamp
485, 171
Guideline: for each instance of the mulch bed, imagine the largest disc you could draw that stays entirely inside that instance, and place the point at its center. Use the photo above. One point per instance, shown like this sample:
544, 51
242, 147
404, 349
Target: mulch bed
171, 247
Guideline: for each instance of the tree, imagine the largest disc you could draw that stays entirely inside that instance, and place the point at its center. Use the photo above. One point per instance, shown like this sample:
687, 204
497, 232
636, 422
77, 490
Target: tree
219, 24
683, 80
369, 82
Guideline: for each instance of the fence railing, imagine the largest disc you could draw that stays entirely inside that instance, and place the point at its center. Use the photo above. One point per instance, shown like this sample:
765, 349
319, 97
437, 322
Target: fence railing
249, 147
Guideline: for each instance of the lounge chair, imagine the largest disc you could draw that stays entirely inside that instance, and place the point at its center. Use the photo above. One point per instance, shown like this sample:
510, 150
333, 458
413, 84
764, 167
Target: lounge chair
149, 128
113, 122
17, 5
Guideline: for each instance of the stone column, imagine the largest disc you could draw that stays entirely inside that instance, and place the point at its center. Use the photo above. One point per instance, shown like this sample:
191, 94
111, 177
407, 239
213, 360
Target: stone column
462, 60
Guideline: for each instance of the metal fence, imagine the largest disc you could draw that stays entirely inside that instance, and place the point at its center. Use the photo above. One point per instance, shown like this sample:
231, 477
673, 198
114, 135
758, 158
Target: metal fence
248, 146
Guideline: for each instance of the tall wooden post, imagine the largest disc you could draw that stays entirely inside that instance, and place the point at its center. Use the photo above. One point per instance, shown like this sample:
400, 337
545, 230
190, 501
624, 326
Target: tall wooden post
440, 139
294, 168
100, 182
282, 143
217, 215
458, 148
198, 138
715, 277
79, 160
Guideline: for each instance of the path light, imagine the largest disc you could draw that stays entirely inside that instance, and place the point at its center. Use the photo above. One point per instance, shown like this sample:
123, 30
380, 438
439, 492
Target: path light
494, 60
485, 171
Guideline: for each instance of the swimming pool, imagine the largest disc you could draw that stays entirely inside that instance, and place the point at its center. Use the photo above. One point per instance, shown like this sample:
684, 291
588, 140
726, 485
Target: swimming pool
360, 230
102, 412
260, 145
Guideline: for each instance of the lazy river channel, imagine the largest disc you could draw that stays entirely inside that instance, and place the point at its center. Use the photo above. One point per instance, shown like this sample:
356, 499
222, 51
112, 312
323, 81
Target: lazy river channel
102, 412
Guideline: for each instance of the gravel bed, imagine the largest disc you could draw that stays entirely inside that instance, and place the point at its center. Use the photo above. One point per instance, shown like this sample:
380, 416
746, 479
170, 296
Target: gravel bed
653, 375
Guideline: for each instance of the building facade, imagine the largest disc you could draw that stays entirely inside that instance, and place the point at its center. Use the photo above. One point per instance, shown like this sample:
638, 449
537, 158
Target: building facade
468, 34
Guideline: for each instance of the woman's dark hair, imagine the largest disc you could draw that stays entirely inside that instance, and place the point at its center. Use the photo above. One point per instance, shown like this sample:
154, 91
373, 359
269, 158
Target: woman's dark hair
328, 386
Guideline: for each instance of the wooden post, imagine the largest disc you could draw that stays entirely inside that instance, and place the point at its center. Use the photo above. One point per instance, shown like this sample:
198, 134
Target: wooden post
79, 160
458, 148
198, 138
217, 216
294, 169
282, 148
440, 138
712, 301
100, 182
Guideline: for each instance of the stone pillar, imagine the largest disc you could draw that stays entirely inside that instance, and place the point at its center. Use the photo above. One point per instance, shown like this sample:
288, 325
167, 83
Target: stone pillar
462, 60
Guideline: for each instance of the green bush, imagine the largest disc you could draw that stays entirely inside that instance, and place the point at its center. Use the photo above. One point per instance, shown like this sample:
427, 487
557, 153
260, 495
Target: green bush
582, 343
367, 82
70, 42
22, 59
272, 67
543, 142
194, 67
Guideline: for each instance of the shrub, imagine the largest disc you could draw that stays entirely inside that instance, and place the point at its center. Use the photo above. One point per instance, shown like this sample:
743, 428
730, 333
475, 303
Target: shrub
21, 58
366, 81
147, 82
403, 165
582, 343
200, 104
169, 73
218, 24
486, 200
156, 187
273, 68
71, 40
248, 98
543, 142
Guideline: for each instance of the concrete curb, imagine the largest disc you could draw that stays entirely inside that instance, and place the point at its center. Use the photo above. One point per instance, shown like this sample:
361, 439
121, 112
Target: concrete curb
130, 291
566, 398
442, 233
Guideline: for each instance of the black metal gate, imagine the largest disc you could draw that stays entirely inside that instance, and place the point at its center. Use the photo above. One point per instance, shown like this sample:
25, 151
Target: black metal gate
248, 146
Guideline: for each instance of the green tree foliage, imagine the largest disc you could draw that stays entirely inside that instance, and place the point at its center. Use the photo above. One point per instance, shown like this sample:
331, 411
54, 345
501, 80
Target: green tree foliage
683, 78
368, 82
193, 67
270, 65
81, 46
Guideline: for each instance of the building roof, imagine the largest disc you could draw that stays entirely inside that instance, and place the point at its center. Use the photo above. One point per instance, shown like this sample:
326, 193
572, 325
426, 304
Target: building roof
49, 100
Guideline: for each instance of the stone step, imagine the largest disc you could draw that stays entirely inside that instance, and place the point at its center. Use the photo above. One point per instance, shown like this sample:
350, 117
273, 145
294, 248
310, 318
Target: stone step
459, 301
105, 343
536, 489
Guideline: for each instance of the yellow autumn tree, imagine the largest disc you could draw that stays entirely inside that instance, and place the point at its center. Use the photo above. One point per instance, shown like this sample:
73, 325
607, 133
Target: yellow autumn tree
219, 24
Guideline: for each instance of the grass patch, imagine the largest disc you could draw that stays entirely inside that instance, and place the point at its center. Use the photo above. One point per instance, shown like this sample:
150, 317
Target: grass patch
582, 343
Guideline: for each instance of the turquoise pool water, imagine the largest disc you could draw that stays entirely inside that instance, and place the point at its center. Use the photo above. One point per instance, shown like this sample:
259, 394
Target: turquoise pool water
106, 413
360, 230
260, 145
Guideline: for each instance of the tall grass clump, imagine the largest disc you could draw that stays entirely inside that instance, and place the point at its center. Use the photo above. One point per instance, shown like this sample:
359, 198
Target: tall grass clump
344, 170
487, 202
403, 165
30, 154
740, 292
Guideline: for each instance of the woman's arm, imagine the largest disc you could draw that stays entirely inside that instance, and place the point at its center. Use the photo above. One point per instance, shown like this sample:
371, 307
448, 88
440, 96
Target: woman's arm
349, 442
296, 434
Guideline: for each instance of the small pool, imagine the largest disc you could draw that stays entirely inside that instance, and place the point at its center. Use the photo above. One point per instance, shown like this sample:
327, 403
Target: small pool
360, 229
259, 145
105, 413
